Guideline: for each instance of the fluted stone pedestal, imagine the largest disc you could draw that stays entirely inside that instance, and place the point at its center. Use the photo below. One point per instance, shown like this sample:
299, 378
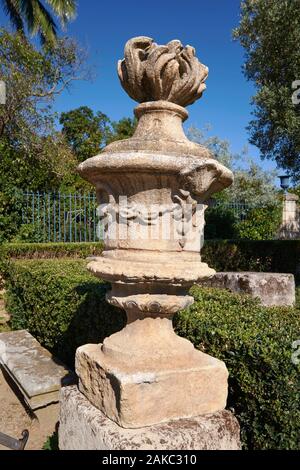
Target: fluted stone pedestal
84, 427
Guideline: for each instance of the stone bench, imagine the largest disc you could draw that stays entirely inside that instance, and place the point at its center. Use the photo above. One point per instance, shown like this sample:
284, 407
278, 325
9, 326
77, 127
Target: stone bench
34, 371
273, 289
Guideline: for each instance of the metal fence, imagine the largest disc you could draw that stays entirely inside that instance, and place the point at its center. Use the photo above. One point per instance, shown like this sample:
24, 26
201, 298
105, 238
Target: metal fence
238, 209
56, 217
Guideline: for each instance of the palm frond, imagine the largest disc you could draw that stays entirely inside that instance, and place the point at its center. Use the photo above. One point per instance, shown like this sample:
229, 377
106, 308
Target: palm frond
13, 9
42, 22
26, 10
64, 9
33, 15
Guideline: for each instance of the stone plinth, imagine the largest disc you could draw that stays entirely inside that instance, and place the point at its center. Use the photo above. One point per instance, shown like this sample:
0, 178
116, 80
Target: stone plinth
84, 427
128, 384
273, 289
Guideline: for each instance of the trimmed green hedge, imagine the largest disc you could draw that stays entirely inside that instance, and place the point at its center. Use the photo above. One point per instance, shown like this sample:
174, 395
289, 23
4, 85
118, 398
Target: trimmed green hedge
64, 306
281, 256
51, 250
61, 304
12, 251
223, 255
256, 344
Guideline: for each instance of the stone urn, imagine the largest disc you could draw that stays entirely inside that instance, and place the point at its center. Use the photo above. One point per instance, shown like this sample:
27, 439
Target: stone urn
151, 190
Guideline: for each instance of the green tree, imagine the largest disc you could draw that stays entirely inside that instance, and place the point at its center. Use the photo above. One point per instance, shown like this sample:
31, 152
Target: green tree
33, 80
252, 185
27, 122
259, 216
33, 154
262, 223
85, 131
36, 18
122, 129
269, 32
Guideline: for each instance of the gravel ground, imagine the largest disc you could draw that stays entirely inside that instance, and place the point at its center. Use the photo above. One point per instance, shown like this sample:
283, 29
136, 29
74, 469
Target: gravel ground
14, 417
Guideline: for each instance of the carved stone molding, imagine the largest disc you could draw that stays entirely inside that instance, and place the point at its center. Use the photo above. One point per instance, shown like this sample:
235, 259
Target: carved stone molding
150, 72
146, 305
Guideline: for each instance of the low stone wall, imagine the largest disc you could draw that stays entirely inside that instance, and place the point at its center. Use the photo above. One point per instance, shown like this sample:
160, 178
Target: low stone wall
273, 289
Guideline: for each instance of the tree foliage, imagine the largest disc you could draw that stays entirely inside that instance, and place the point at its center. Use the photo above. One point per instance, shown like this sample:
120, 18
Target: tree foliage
33, 79
33, 154
85, 131
36, 155
269, 32
251, 207
262, 223
252, 185
122, 129
33, 15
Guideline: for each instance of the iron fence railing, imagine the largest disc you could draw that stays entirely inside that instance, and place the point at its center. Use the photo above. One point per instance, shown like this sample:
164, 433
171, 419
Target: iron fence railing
58, 217
238, 209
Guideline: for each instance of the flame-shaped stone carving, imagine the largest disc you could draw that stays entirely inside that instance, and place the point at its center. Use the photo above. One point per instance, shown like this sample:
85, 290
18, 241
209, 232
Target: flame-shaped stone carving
150, 72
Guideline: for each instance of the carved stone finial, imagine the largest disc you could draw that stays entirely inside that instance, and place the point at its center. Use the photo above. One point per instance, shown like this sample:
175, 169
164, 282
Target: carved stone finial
150, 72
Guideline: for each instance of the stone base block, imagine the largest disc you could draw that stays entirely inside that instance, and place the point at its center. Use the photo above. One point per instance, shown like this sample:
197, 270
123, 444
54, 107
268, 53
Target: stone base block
273, 289
84, 427
141, 394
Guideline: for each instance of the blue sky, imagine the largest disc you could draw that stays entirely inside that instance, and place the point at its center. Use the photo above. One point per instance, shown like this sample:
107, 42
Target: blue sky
103, 27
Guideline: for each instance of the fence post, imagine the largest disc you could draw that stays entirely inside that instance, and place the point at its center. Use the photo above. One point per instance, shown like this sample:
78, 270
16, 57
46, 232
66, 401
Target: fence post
290, 227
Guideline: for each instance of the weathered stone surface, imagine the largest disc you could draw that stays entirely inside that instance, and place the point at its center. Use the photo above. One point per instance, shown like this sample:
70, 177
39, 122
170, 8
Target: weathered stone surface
84, 427
33, 369
152, 190
165, 179
171, 72
271, 288
290, 226
127, 383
